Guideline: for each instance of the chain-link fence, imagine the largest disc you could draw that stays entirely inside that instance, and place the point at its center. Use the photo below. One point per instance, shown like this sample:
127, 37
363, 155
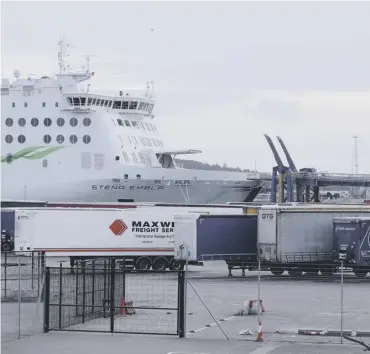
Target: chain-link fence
21, 293
297, 305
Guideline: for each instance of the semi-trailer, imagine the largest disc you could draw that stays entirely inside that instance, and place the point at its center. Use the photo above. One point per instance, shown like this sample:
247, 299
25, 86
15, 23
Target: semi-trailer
352, 239
300, 238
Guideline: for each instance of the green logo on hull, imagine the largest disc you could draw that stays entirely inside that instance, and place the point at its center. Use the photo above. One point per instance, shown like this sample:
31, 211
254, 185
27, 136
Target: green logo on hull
31, 153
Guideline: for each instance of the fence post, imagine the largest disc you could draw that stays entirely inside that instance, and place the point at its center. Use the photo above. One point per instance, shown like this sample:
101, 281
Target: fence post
60, 294
112, 286
19, 298
93, 288
46, 300
76, 276
5, 271
181, 304
83, 291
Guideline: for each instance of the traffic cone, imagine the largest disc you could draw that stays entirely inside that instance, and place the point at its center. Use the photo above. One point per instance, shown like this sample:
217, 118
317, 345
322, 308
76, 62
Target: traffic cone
122, 309
260, 332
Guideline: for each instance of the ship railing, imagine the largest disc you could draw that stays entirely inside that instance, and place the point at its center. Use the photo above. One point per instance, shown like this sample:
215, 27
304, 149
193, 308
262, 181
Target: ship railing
329, 176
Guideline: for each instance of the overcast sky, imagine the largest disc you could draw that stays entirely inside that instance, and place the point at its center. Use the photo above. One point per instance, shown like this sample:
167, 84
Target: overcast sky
225, 73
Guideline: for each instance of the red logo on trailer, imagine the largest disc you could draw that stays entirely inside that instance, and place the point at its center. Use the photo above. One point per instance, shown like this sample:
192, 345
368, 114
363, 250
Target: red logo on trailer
118, 227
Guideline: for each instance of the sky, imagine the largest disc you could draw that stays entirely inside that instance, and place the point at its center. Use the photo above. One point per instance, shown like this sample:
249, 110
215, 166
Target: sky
225, 73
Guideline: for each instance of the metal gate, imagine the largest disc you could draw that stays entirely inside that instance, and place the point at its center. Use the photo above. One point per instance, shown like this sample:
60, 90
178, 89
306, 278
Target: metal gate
102, 296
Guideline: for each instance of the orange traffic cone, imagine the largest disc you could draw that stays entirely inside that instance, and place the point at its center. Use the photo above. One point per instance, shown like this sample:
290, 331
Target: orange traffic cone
122, 310
260, 332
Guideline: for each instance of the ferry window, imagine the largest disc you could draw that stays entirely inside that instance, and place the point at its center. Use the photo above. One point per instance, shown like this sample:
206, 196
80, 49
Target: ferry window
110, 104
86, 160
21, 122
98, 102
56, 104
125, 156
120, 122
8, 139
86, 122
60, 122
9, 158
150, 108
135, 140
83, 101
47, 139
102, 102
116, 104
134, 124
143, 142
154, 142
47, 122
145, 106
34, 122
127, 122
73, 139
147, 126
141, 125
124, 104
25, 104
89, 100
60, 139
133, 104
106, 103
160, 141
73, 121
134, 157
13, 104
43, 104
76, 101
45, 163
141, 105
148, 142
94, 101
154, 127
8, 122
86, 139
69, 99
129, 140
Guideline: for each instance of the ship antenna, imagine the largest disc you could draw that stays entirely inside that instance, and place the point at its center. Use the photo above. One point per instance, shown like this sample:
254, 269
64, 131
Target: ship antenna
61, 55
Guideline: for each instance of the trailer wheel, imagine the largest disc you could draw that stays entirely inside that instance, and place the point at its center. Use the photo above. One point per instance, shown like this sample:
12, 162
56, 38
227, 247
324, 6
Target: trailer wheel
143, 263
360, 273
5, 247
176, 265
160, 263
277, 271
327, 271
295, 272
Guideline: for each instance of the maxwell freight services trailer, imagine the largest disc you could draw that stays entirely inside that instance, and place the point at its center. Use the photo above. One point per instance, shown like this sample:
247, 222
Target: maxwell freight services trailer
300, 238
145, 237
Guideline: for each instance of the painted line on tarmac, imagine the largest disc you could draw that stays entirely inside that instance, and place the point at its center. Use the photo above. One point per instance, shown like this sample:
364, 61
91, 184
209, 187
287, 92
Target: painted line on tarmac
265, 349
210, 325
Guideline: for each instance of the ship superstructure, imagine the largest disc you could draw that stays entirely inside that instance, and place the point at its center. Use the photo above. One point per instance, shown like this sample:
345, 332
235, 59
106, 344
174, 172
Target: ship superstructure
64, 143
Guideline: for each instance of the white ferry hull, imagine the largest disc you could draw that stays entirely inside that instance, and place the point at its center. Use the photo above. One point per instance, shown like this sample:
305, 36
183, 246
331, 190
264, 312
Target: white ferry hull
104, 190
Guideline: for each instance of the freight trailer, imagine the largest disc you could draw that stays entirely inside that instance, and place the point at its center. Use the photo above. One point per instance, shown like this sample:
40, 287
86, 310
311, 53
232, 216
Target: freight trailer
145, 238
232, 238
352, 239
300, 238
7, 230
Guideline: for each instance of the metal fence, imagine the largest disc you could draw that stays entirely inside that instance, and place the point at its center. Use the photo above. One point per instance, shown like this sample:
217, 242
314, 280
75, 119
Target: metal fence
309, 305
102, 296
22, 278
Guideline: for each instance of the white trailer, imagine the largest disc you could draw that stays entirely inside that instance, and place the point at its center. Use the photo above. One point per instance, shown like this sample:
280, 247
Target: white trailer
147, 238
300, 238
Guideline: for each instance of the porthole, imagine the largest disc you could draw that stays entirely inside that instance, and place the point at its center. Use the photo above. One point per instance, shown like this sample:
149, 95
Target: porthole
73, 121
21, 122
21, 139
73, 139
9, 138
86, 139
25, 104
8, 122
9, 158
86, 122
60, 122
60, 139
47, 122
56, 104
34, 122
43, 104
47, 139
45, 163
